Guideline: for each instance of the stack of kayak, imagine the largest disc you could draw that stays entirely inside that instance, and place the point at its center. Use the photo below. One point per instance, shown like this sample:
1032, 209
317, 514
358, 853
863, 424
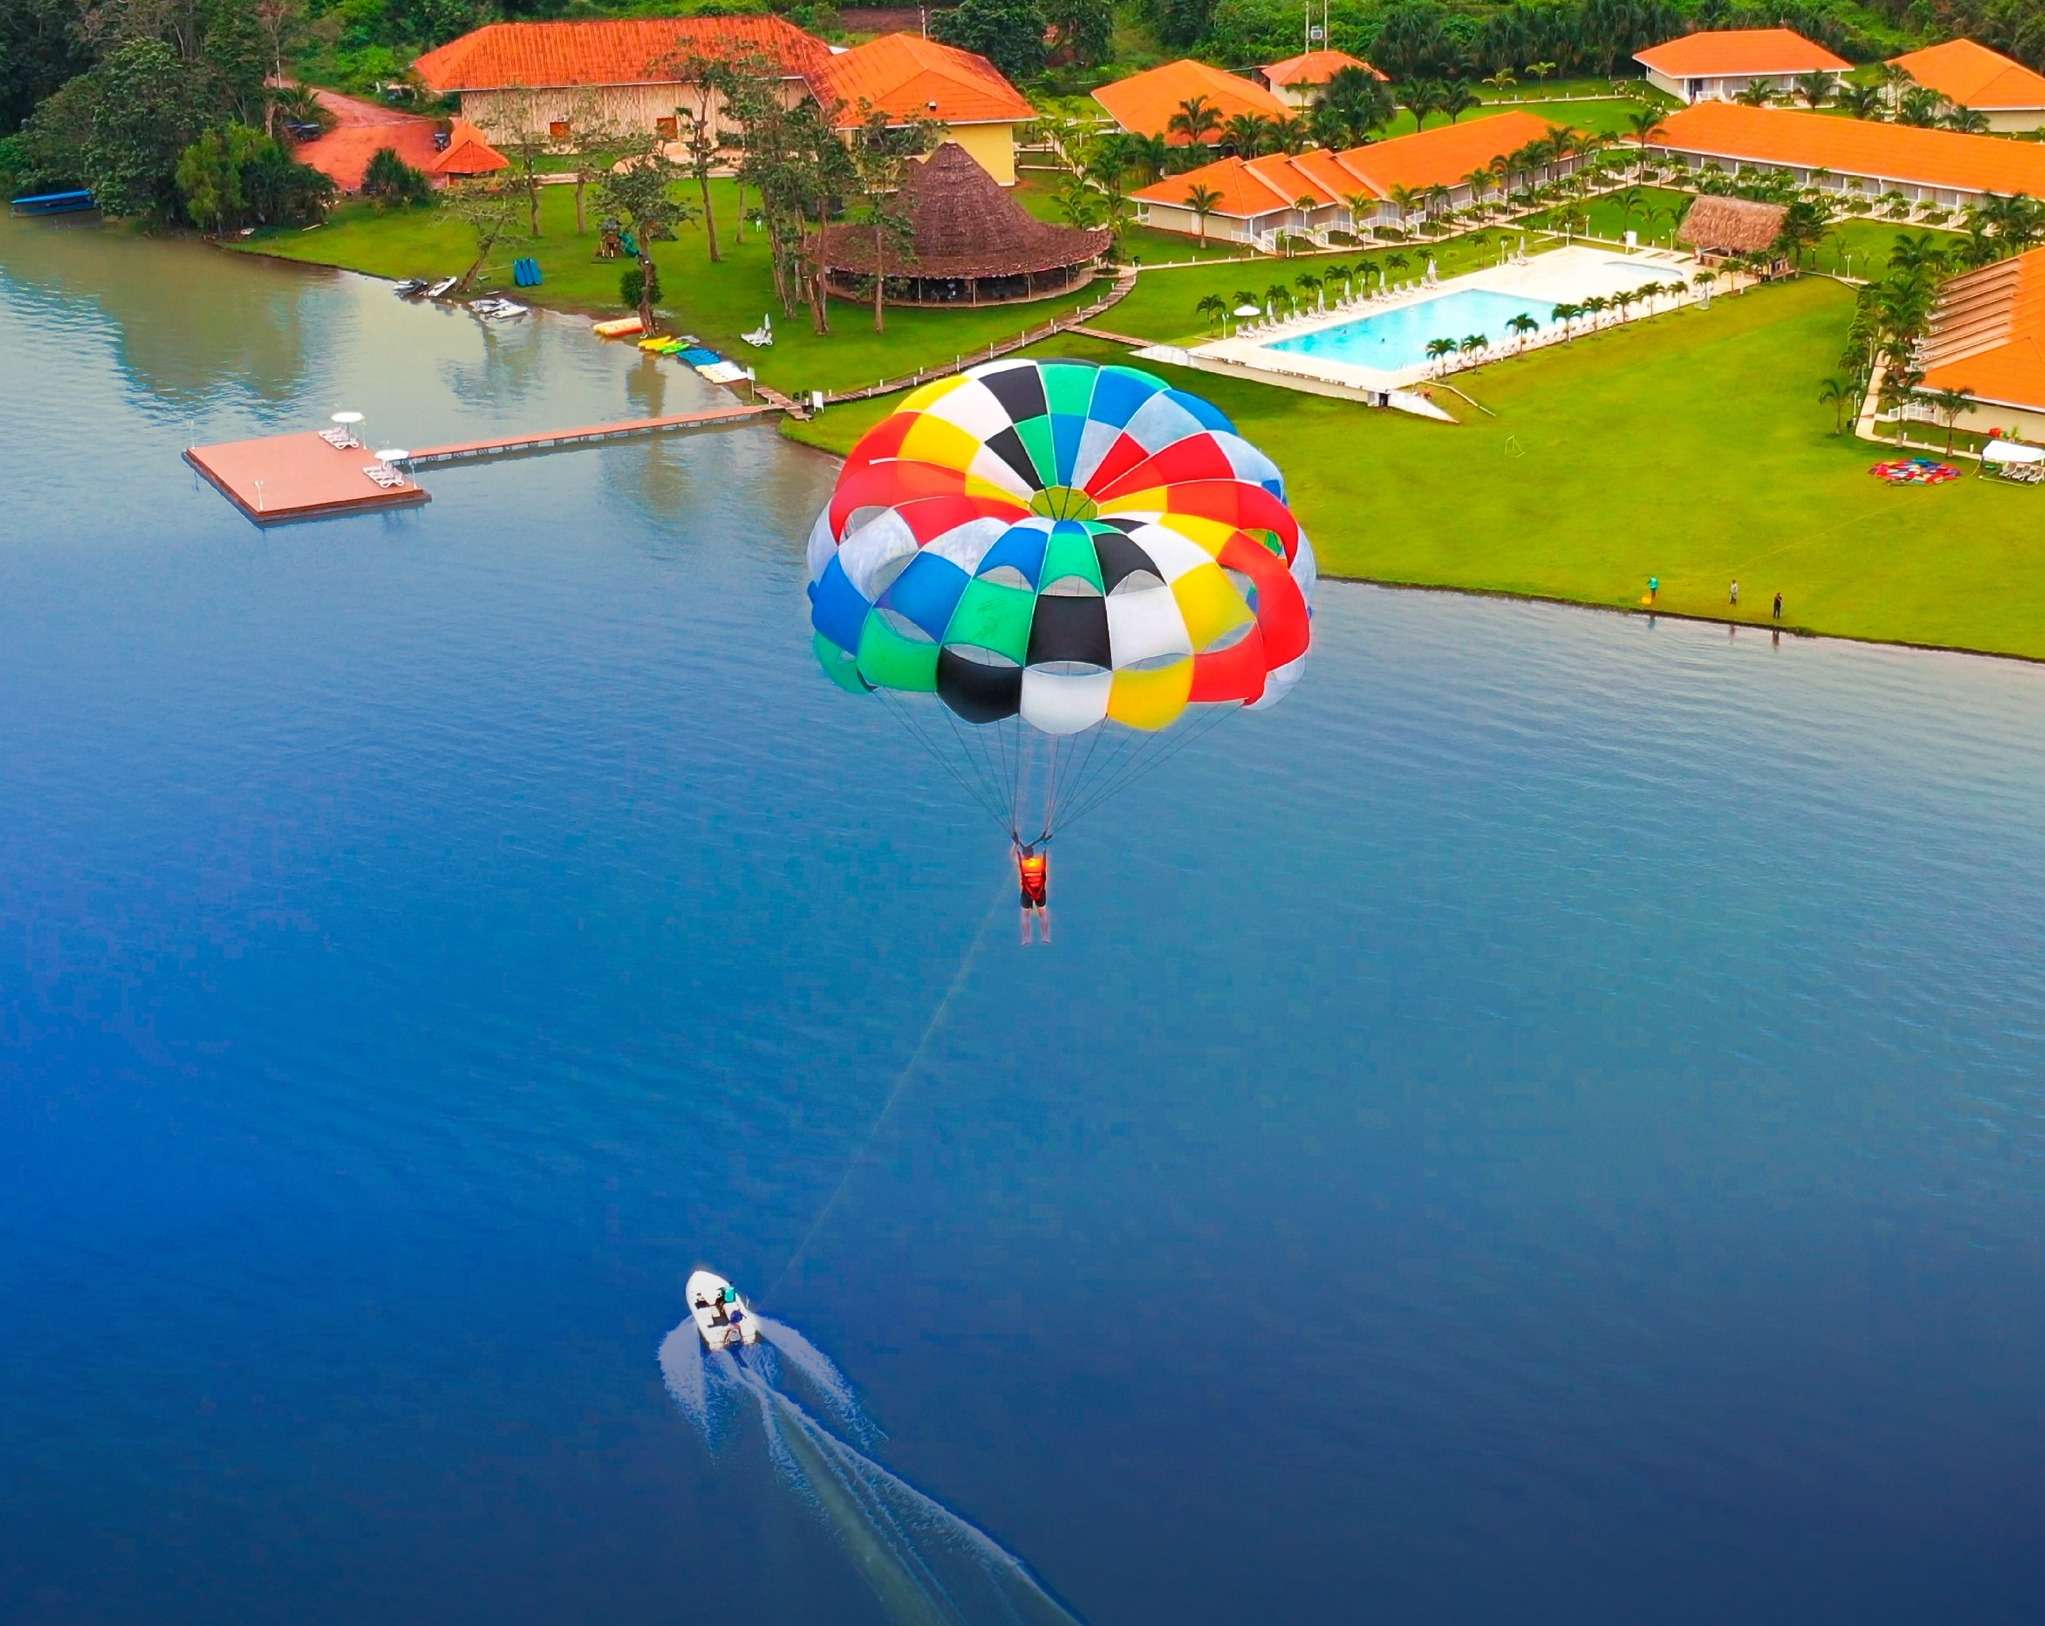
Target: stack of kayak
684, 348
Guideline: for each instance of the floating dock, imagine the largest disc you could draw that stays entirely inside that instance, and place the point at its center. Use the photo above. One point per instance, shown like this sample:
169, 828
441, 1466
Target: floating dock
278, 478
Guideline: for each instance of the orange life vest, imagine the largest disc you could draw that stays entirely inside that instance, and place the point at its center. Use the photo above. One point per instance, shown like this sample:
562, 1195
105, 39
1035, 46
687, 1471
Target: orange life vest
1033, 870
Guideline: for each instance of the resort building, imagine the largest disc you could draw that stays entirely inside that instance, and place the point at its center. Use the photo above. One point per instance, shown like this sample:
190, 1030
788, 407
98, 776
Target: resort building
907, 77
2008, 94
1719, 229
627, 75
970, 243
1143, 104
623, 71
1854, 156
1392, 183
1987, 340
1715, 65
1297, 81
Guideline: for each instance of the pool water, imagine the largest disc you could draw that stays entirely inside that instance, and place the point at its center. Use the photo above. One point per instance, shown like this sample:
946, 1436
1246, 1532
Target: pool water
1396, 339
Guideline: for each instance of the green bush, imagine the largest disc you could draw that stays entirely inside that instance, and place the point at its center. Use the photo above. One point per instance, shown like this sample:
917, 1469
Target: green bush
391, 183
628, 286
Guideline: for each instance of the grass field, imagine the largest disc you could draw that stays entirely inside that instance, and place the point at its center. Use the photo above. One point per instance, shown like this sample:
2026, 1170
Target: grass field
1616, 458
1038, 193
715, 302
1607, 117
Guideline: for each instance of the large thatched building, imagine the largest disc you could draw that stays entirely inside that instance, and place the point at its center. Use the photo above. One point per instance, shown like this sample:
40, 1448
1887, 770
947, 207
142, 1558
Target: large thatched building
970, 243
1726, 228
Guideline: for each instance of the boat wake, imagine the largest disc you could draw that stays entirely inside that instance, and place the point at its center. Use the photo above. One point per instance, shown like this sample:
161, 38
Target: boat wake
923, 1562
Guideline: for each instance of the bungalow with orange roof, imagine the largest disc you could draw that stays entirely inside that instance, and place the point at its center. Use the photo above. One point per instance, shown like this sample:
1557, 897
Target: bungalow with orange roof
907, 77
1297, 81
1987, 340
1143, 103
1715, 65
1855, 157
622, 69
1316, 191
2008, 94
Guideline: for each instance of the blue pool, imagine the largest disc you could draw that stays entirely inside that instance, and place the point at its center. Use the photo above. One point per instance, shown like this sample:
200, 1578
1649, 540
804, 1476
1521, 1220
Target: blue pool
1397, 339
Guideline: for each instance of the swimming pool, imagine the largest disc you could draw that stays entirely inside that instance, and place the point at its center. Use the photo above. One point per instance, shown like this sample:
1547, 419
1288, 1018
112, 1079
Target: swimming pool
1396, 339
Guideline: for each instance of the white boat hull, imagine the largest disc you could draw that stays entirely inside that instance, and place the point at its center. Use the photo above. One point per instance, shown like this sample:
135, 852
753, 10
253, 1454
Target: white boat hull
724, 1325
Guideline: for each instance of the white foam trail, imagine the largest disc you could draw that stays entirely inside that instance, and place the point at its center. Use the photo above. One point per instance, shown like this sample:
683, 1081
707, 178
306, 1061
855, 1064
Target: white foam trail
681, 1368
832, 1385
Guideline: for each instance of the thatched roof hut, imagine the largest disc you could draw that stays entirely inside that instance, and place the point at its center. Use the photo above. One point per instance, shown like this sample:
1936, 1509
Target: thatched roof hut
1731, 226
970, 242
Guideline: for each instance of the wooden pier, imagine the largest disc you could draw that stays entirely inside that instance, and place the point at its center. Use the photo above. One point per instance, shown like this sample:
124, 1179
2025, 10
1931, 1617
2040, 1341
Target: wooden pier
276, 479
464, 451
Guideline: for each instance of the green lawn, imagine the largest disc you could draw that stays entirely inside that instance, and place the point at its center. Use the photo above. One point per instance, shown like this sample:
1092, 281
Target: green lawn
717, 303
1164, 304
1615, 458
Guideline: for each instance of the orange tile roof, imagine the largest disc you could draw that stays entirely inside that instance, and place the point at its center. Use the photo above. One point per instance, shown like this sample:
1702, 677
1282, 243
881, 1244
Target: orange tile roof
905, 75
468, 153
1244, 192
1292, 179
1444, 155
1988, 333
622, 51
1718, 51
1884, 152
1144, 103
1314, 68
1974, 76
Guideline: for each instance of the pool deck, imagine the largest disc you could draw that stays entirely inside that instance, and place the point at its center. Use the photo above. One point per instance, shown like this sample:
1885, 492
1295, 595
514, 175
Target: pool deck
275, 479
1562, 275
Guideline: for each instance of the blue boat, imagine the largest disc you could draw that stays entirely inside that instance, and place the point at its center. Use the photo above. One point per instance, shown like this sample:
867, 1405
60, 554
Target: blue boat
53, 203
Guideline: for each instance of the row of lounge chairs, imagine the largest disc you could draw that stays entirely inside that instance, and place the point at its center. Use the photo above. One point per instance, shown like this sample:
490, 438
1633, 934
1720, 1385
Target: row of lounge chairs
341, 440
384, 475
1354, 302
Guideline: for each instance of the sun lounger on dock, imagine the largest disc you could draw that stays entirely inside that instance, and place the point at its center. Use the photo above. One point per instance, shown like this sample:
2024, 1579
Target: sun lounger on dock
339, 439
384, 475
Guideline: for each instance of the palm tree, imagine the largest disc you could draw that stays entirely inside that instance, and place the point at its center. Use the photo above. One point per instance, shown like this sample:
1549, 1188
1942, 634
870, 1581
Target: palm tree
1347, 274
1479, 182
1397, 262
1214, 308
1290, 134
1439, 350
1435, 199
1645, 123
1423, 96
1455, 99
1967, 120
1352, 103
1917, 254
1757, 94
1308, 283
1203, 200
1404, 200
1815, 88
1278, 297
1197, 120
1595, 307
1920, 106
1521, 325
1537, 71
1473, 344
1862, 101
1363, 210
1836, 393
1564, 315
1247, 135
1949, 404
1149, 154
1702, 282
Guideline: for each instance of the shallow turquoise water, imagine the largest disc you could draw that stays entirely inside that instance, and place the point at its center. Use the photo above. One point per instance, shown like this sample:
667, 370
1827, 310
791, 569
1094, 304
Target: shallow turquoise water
1398, 338
1546, 1124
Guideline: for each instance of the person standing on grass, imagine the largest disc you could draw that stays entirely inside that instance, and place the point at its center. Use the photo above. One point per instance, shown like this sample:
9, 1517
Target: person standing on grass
1654, 586
1778, 606
1735, 599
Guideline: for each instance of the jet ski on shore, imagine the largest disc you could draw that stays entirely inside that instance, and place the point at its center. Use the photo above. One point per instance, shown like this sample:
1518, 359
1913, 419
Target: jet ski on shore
722, 1317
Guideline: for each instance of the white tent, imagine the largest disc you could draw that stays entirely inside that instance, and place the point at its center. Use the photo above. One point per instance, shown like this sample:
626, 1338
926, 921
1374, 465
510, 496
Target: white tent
2010, 451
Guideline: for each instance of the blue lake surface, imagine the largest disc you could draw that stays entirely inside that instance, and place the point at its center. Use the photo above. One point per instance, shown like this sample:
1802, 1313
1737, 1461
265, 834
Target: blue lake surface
1548, 1124
1399, 337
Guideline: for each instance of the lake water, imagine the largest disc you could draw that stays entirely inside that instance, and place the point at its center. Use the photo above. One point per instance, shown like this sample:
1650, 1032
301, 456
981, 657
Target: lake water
1545, 1125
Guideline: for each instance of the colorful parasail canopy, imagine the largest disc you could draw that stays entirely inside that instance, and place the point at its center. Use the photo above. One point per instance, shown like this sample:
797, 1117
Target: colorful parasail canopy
1057, 551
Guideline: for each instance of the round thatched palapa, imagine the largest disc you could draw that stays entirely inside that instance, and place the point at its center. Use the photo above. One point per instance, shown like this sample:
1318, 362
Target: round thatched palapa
964, 228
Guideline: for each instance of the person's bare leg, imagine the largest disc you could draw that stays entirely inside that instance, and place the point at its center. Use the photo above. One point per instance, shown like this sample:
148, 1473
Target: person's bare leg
1026, 926
1044, 920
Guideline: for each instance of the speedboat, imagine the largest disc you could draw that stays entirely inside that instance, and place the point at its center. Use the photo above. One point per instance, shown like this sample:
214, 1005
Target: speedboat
724, 1319
498, 310
440, 289
410, 288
